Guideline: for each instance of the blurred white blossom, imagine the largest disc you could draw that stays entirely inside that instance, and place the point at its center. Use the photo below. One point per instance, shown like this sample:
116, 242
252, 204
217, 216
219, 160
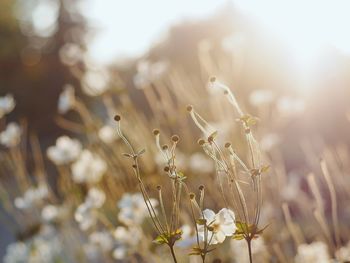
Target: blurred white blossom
7, 104
11, 136
65, 151
89, 168
50, 213
95, 83
130, 236
43, 247
343, 253
261, 97
199, 162
120, 253
316, 252
31, 197
102, 239
222, 223
17, 253
66, 100
133, 209
95, 197
84, 214
127, 239
107, 134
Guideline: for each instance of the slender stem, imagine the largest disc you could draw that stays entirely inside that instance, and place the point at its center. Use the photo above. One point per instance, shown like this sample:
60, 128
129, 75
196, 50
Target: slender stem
250, 250
173, 253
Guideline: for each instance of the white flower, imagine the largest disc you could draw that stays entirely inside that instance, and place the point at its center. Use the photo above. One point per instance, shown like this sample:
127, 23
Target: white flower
65, 151
89, 168
343, 253
7, 104
120, 253
107, 134
49, 213
222, 225
16, 253
66, 100
316, 252
103, 240
199, 162
95, 197
261, 97
11, 136
259, 250
31, 197
95, 83
84, 216
133, 209
127, 236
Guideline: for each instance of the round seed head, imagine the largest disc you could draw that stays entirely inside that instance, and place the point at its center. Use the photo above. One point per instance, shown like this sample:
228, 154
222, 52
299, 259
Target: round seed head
212, 79
192, 195
165, 147
201, 187
117, 118
189, 108
227, 145
175, 138
166, 169
159, 187
156, 132
201, 142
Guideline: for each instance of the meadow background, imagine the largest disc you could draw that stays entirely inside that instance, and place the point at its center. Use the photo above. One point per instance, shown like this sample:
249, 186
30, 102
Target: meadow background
68, 67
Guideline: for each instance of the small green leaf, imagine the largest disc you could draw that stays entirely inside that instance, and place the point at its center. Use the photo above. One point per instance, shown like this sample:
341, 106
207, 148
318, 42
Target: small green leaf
264, 168
161, 239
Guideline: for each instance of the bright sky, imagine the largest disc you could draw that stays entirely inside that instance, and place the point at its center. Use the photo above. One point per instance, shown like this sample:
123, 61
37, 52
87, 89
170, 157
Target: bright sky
130, 27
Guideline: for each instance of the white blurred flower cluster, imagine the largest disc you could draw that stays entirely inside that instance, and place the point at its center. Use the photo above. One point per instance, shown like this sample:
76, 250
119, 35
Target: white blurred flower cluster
11, 136
133, 209
65, 151
89, 168
44, 247
7, 104
85, 213
33, 196
316, 252
66, 100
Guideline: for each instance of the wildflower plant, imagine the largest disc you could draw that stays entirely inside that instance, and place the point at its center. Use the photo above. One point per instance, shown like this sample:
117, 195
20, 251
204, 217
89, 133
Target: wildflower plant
167, 227
228, 164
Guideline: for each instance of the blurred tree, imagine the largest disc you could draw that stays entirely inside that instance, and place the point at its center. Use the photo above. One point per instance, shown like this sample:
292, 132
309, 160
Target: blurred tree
42, 43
